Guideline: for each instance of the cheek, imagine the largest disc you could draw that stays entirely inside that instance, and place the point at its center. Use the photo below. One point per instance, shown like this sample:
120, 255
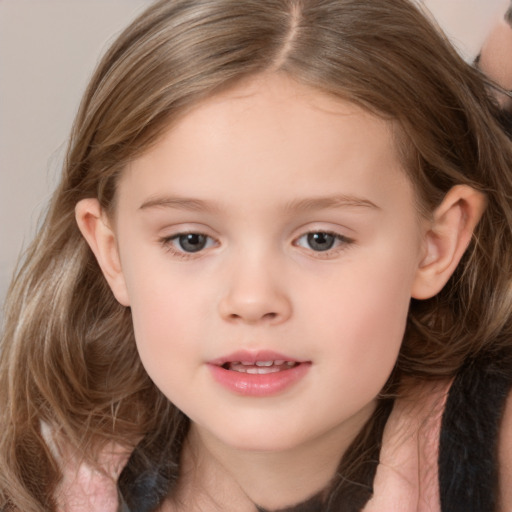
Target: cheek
168, 337
363, 313
165, 313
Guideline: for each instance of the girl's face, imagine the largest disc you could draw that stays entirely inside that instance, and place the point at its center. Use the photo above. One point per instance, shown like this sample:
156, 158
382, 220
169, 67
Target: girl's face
269, 246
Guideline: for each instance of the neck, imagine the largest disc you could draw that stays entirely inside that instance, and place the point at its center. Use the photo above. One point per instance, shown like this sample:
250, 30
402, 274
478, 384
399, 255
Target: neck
270, 479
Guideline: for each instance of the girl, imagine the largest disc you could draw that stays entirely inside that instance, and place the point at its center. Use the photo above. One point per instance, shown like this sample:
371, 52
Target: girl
276, 274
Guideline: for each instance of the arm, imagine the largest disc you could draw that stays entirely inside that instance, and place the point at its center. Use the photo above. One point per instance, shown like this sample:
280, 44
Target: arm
495, 59
505, 459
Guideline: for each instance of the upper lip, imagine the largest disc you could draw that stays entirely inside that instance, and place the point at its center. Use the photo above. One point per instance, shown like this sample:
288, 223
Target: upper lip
245, 356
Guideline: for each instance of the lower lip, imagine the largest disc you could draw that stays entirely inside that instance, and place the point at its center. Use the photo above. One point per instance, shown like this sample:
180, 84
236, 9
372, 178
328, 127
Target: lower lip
261, 385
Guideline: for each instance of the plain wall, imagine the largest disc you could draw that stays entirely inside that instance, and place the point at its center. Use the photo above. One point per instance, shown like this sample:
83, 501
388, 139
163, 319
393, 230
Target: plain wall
48, 50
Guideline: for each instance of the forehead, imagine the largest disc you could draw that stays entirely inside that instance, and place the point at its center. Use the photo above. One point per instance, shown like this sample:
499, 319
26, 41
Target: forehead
274, 130
275, 100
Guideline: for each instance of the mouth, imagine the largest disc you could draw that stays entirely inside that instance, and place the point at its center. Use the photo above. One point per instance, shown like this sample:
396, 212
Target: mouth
264, 373
260, 367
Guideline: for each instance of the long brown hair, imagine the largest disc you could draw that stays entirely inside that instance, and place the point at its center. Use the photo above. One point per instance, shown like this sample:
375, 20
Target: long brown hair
68, 357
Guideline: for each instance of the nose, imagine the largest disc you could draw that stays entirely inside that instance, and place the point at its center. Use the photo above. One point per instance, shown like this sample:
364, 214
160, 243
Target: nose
254, 294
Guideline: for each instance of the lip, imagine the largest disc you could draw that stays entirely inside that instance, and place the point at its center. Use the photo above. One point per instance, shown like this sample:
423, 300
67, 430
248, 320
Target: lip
257, 385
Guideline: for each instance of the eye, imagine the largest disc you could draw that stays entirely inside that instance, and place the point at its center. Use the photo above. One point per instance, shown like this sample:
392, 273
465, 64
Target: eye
189, 242
321, 241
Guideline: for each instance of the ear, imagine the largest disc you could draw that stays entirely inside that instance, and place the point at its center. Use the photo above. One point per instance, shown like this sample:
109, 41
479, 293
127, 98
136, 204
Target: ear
446, 239
96, 229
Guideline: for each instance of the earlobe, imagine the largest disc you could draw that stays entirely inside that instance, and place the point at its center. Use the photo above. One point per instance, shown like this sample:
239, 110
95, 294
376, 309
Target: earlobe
95, 228
447, 238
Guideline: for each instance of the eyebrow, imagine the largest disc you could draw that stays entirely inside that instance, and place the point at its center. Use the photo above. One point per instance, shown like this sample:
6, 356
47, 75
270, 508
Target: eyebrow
326, 202
306, 204
181, 203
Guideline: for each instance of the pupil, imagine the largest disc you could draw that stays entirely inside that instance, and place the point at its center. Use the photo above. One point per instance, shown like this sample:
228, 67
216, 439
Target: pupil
192, 242
320, 241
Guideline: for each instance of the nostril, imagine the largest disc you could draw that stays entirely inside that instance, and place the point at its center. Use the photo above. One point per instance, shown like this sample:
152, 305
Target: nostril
265, 316
253, 308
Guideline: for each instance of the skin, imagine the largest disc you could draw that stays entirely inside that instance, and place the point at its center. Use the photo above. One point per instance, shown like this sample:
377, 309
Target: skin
505, 458
496, 60
255, 169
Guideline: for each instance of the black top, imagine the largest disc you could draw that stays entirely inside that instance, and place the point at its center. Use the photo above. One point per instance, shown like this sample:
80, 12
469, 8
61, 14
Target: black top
468, 446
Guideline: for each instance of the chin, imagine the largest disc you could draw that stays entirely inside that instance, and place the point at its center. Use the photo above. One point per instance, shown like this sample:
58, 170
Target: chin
263, 440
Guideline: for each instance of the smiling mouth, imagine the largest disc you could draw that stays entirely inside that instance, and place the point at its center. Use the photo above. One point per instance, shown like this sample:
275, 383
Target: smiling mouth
260, 367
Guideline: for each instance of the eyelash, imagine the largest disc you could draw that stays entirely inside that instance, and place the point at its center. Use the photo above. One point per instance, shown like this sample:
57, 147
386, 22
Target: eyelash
168, 244
340, 243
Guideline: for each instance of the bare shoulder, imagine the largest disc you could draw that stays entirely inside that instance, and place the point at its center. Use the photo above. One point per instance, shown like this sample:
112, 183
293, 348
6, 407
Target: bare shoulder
505, 458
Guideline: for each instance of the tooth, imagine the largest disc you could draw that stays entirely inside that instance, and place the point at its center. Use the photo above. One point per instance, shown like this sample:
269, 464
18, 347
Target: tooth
290, 363
279, 362
264, 363
240, 369
264, 370
246, 363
